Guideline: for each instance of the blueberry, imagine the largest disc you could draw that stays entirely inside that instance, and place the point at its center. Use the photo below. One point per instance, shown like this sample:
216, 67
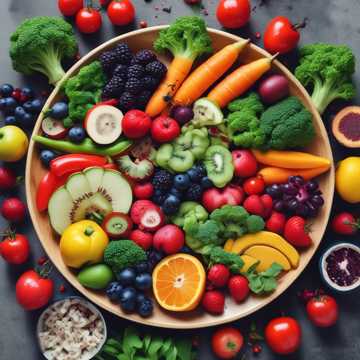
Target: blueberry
128, 299
206, 183
59, 111
145, 308
171, 205
46, 156
194, 174
176, 192
140, 297
143, 281
10, 120
6, 90
126, 276
37, 105
182, 181
142, 267
10, 104
28, 120
159, 197
27, 106
26, 91
113, 291
19, 113
2, 104
186, 250
77, 134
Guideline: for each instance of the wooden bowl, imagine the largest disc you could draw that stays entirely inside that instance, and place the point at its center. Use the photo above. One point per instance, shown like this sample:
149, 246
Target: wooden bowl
34, 171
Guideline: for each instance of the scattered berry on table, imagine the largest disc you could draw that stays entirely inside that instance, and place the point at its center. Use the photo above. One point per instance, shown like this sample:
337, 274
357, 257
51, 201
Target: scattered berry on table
145, 308
136, 71
143, 24
27, 92
77, 134
10, 120
156, 69
194, 193
113, 291
36, 106
162, 180
62, 288
6, 90
144, 56
46, 156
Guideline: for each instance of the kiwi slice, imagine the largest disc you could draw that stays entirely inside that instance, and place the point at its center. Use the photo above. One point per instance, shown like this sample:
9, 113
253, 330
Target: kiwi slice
207, 113
181, 161
195, 141
219, 165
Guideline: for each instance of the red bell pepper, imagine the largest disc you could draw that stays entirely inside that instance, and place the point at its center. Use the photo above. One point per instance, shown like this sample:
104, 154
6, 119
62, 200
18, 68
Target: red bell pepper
68, 164
48, 184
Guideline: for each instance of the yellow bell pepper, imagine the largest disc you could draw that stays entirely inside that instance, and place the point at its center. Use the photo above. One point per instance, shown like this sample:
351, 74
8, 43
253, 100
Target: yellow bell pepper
83, 243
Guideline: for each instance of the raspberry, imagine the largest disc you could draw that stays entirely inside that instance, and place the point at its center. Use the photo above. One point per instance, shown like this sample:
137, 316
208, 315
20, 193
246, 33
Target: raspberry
156, 69
149, 83
213, 302
126, 101
123, 53
144, 56
239, 287
135, 71
143, 98
194, 192
121, 71
133, 86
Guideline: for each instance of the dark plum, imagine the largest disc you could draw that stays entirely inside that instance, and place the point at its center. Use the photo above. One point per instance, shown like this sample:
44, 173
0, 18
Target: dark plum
182, 114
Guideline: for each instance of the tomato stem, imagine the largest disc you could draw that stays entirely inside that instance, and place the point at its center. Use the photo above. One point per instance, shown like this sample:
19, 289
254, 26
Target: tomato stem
301, 25
44, 270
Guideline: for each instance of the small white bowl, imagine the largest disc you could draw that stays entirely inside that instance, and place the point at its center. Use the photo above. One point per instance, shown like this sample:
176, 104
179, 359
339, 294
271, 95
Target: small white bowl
83, 302
324, 273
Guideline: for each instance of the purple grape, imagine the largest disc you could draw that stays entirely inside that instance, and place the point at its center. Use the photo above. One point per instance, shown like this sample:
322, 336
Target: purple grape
279, 205
297, 180
287, 197
317, 200
274, 191
293, 205
182, 114
302, 210
311, 186
290, 189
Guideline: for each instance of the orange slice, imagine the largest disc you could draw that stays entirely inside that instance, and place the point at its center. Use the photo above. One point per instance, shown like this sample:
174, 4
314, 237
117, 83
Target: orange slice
179, 282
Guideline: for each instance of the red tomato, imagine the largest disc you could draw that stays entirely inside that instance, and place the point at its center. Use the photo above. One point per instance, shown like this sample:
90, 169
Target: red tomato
233, 14
88, 20
33, 291
323, 310
254, 186
280, 36
121, 12
227, 342
15, 248
69, 7
283, 335
13, 209
345, 223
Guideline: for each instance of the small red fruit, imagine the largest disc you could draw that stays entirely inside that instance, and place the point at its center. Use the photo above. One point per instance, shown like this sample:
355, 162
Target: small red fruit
121, 13
169, 239
88, 20
267, 201
345, 223
15, 248
69, 7
13, 209
276, 222
215, 198
143, 190
254, 205
227, 342
245, 163
239, 288
142, 238
164, 129
254, 186
323, 310
7, 179
136, 124
213, 302
233, 14
218, 275
296, 232
138, 209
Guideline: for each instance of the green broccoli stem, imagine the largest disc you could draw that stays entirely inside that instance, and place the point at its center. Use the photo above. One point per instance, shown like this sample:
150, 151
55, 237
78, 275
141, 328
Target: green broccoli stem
323, 94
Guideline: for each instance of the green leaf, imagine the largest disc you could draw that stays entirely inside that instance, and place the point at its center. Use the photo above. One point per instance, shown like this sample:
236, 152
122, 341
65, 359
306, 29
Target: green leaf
110, 350
139, 357
155, 345
167, 344
122, 357
146, 342
274, 270
184, 347
270, 284
114, 343
132, 338
171, 354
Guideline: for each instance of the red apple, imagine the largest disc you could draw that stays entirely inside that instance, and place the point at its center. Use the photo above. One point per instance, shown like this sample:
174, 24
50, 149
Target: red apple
215, 198
245, 163
170, 239
165, 129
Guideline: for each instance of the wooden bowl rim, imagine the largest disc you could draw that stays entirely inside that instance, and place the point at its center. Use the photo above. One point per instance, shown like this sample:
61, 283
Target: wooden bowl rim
215, 320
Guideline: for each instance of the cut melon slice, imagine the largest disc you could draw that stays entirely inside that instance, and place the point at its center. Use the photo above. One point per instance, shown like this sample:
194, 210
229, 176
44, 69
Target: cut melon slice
78, 185
94, 176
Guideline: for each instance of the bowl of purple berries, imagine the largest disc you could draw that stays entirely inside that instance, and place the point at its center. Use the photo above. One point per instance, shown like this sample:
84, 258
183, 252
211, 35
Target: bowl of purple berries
340, 267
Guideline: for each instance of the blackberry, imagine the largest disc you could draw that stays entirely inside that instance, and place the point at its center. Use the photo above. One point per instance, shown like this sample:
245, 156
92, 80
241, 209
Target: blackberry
201, 170
123, 53
153, 258
156, 69
159, 197
162, 180
121, 71
143, 98
133, 85
126, 101
144, 57
114, 87
135, 71
149, 83
194, 193
108, 60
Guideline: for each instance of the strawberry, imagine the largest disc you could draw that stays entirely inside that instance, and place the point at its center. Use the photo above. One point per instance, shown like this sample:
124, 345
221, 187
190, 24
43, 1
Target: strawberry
141, 238
218, 275
345, 224
276, 222
239, 287
213, 302
268, 204
296, 232
254, 205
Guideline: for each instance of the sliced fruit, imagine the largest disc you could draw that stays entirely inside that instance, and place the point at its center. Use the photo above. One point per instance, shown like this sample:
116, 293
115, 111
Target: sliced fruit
53, 128
78, 199
267, 255
219, 165
195, 140
207, 113
103, 124
346, 126
138, 208
152, 219
117, 225
163, 155
179, 282
136, 170
267, 238
249, 261
181, 161
144, 149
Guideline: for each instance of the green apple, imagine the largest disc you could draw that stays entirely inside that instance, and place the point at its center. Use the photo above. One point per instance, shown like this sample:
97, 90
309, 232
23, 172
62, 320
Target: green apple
13, 143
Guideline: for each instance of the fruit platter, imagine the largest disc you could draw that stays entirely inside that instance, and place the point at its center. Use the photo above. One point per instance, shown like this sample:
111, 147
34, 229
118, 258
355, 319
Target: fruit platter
171, 172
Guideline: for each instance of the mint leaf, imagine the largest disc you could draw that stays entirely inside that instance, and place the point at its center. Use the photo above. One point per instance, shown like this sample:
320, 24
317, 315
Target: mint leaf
146, 342
184, 347
156, 344
273, 271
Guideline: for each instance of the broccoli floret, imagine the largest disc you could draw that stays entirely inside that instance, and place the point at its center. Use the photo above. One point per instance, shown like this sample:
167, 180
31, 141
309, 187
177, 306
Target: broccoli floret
123, 253
327, 69
40, 44
217, 255
186, 37
287, 125
84, 90
255, 223
251, 102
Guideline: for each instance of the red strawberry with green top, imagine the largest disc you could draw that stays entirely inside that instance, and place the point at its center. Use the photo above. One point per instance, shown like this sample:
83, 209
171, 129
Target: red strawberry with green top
296, 232
276, 222
213, 302
239, 287
218, 275
254, 205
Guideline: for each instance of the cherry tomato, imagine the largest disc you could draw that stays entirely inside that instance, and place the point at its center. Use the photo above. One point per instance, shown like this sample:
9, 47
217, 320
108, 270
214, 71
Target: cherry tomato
280, 36
227, 342
13, 209
15, 248
323, 310
345, 223
33, 291
88, 20
283, 335
233, 14
121, 12
7, 178
254, 186
69, 7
